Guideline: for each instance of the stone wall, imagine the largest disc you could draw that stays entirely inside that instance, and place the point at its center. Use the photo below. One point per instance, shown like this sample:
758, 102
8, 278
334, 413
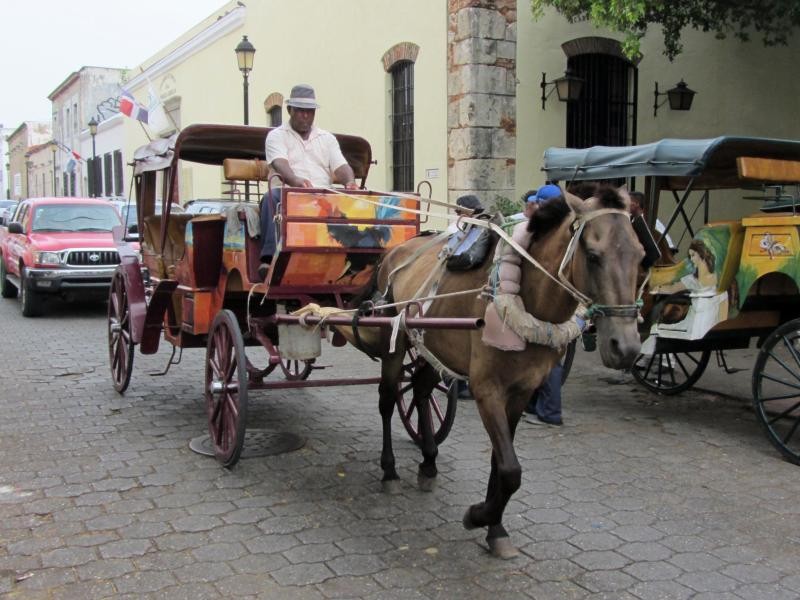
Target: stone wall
481, 90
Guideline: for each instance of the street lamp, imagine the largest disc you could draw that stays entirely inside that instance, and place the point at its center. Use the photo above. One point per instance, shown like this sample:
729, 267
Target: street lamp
245, 52
93, 170
54, 149
244, 56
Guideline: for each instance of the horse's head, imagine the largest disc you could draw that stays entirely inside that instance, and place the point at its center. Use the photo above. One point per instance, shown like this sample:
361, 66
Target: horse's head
604, 268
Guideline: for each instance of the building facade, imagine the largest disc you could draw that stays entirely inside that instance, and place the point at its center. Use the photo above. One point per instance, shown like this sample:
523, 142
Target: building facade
29, 134
86, 94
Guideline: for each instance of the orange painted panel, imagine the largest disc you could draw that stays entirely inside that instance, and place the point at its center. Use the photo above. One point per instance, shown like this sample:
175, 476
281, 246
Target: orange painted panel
345, 235
329, 269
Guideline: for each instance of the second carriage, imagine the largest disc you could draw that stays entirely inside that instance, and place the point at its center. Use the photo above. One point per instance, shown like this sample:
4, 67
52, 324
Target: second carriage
739, 282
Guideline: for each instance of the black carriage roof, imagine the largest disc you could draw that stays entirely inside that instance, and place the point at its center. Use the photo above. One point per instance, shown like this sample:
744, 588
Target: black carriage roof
708, 163
211, 144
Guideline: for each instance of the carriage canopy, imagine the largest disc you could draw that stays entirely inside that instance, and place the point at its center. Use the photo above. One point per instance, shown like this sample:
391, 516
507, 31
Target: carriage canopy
708, 163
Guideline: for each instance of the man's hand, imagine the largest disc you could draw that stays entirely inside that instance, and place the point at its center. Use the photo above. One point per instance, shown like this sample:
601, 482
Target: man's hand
351, 185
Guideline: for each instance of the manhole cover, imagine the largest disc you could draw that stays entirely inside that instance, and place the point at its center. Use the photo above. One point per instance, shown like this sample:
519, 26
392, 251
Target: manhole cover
257, 442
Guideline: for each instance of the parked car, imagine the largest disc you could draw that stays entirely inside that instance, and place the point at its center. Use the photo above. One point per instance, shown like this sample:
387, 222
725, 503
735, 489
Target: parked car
58, 246
6, 210
129, 216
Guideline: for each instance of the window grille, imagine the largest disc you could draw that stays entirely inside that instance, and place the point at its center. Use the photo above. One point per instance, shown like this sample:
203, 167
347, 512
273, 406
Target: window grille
605, 114
402, 126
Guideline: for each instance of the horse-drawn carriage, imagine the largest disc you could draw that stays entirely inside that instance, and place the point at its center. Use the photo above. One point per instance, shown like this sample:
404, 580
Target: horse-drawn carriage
195, 283
195, 280
740, 279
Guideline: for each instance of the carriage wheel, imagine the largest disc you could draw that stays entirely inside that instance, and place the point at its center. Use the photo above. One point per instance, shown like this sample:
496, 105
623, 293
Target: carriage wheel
296, 370
566, 362
776, 389
442, 399
670, 372
226, 388
120, 339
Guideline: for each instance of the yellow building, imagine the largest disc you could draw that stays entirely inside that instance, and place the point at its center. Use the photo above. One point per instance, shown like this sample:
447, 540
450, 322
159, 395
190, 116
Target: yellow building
451, 91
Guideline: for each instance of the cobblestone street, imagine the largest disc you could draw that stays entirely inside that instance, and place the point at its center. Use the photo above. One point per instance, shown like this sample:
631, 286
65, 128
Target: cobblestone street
635, 497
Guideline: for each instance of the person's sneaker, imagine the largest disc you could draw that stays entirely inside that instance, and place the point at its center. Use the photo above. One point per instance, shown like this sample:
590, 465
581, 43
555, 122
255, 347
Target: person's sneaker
535, 419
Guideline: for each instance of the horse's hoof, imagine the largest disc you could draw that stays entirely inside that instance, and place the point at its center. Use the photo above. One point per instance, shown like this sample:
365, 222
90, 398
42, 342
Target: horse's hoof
391, 486
502, 547
426, 484
467, 520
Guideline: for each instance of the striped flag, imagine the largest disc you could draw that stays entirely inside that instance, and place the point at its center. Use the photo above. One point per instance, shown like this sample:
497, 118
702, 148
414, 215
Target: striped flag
130, 107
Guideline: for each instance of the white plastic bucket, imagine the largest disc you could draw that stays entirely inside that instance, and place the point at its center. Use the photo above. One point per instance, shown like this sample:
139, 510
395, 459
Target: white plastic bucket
295, 342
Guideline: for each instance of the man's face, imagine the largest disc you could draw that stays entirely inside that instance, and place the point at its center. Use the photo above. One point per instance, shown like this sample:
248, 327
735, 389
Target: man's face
636, 208
530, 208
301, 119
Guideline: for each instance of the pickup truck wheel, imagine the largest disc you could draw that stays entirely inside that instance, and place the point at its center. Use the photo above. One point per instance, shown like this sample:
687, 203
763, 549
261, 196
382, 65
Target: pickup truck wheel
30, 301
7, 289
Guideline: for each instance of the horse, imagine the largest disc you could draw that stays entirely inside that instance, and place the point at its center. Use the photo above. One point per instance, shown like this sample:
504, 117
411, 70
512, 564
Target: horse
603, 267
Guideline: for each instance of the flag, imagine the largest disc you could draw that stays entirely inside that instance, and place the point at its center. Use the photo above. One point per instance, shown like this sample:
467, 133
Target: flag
130, 107
76, 155
157, 116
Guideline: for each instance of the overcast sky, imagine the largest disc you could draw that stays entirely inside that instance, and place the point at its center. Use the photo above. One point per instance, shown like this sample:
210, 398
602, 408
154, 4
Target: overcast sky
43, 41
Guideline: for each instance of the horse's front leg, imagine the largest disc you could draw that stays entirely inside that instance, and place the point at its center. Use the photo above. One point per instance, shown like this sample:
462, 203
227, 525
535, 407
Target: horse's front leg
424, 380
391, 370
505, 477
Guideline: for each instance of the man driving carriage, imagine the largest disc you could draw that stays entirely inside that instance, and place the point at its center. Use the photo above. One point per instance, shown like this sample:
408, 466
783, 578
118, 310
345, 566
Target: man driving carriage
303, 156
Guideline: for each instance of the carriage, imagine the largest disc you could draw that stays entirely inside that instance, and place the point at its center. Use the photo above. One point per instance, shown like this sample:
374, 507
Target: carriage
194, 280
739, 280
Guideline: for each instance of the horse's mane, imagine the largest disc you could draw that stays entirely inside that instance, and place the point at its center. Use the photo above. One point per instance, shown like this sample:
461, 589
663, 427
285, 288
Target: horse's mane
548, 216
608, 197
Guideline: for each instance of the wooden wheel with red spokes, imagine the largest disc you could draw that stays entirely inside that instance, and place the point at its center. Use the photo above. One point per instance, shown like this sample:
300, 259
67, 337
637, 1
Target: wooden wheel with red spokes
120, 340
226, 388
442, 399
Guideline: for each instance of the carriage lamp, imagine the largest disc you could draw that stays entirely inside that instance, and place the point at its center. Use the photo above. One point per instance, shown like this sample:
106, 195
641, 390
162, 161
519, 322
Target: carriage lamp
568, 87
680, 97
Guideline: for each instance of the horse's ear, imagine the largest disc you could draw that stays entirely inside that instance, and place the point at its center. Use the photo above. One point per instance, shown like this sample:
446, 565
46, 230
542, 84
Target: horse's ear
574, 202
626, 197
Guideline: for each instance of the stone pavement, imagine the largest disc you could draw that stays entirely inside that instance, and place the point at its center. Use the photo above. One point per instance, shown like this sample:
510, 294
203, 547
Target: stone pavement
636, 497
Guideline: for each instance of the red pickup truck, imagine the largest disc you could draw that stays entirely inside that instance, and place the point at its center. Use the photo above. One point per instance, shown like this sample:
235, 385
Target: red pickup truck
60, 246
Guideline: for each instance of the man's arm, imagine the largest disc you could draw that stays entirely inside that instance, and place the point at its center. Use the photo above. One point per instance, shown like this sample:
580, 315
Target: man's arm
345, 175
282, 168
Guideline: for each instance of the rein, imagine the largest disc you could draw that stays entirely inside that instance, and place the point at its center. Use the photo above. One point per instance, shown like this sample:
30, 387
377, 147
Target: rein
593, 309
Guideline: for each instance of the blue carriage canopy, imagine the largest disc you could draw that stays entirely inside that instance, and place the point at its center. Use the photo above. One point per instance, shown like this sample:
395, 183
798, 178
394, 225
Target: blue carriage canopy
707, 163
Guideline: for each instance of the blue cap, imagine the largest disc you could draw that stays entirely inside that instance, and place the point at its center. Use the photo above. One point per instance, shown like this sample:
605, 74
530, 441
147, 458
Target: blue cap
546, 192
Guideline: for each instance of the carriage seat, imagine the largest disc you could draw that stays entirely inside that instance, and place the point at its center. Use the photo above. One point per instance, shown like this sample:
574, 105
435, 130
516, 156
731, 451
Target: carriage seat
162, 261
241, 169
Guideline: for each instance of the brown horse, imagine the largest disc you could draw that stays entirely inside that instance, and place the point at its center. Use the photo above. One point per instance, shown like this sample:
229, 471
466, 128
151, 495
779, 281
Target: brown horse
603, 267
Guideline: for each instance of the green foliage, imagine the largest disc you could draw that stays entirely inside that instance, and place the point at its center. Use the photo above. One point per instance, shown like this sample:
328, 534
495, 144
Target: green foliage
772, 20
507, 206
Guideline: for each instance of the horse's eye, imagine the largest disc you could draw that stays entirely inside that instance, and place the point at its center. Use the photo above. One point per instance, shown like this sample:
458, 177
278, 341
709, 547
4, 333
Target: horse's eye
593, 258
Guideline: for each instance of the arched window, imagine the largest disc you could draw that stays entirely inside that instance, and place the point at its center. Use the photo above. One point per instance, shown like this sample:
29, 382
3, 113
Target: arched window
273, 106
275, 116
605, 114
402, 118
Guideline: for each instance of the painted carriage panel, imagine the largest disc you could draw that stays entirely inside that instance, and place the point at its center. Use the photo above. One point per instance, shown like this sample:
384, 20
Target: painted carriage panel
772, 245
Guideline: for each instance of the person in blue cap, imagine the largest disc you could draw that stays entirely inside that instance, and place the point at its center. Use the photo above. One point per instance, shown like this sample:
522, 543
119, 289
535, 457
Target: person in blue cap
544, 407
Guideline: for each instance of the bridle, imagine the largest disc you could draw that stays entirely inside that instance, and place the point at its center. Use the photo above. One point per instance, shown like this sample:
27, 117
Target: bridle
593, 309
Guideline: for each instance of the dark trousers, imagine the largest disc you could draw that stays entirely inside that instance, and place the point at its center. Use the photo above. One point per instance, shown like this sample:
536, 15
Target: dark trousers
546, 400
269, 206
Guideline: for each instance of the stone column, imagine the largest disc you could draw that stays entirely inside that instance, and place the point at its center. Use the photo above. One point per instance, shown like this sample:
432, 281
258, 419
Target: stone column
481, 96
